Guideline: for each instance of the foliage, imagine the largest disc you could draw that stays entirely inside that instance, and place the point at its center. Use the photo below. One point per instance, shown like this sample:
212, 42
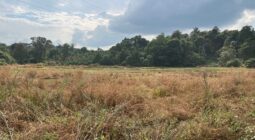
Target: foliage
227, 53
247, 50
20, 52
2, 62
176, 50
250, 63
234, 63
6, 58
41, 47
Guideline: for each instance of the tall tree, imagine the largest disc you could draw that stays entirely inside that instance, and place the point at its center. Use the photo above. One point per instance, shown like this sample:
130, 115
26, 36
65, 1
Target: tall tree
20, 52
41, 47
246, 33
227, 53
247, 50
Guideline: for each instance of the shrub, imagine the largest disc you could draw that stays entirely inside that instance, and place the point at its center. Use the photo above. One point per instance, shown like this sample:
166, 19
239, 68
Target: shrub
2, 62
7, 58
234, 63
195, 60
250, 63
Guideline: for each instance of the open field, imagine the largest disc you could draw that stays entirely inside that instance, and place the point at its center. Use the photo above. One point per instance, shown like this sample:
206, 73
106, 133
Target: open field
47, 103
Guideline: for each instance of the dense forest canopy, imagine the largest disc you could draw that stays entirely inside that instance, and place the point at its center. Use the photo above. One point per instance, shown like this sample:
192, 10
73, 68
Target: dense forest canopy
231, 48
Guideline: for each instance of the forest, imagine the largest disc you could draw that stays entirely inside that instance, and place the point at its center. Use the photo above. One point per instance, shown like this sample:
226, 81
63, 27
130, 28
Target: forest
228, 48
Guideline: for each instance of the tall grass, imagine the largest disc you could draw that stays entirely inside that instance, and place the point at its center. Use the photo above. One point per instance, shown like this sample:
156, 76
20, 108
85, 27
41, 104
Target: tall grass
61, 103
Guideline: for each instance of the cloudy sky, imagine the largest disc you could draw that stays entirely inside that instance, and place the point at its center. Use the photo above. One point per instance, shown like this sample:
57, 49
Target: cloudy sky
102, 23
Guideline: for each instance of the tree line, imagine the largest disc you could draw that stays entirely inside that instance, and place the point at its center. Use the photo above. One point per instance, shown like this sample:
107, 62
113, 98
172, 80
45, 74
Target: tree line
228, 48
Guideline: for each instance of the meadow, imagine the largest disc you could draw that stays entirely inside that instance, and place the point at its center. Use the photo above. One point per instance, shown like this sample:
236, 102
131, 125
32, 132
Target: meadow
77, 102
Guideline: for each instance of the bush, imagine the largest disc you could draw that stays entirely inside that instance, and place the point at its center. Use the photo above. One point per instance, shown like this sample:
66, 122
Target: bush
7, 58
234, 63
195, 60
2, 62
250, 63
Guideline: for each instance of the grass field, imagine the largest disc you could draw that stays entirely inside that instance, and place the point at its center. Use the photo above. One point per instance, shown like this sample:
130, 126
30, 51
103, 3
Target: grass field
48, 103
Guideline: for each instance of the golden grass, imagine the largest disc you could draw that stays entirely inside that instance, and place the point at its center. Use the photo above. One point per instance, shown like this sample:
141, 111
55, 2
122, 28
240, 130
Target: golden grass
39, 102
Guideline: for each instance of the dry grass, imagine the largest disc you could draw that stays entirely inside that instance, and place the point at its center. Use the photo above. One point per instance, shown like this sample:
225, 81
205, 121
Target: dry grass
119, 103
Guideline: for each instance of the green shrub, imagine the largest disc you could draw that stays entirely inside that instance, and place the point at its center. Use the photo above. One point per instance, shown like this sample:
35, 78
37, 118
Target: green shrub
250, 63
2, 62
234, 63
7, 58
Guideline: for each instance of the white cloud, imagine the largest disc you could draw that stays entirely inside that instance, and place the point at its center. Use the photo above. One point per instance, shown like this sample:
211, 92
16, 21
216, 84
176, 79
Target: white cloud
64, 19
156, 16
100, 37
17, 30
64, 3
150, 37
248, 18
101, 23
19, 9
57, 20
56, 26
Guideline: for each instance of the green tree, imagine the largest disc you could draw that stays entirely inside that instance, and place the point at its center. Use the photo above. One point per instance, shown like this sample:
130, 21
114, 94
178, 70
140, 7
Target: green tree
20, 52
246, 33
250, 63
66, 51
128, 51
227, 53
3, 47
214, 42
41, 47
5, 57
247, 50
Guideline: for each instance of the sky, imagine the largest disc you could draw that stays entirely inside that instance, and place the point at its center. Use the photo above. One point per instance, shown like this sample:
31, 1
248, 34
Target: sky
103, 23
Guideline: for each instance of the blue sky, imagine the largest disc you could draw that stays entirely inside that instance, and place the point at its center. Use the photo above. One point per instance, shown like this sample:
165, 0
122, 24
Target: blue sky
102, 23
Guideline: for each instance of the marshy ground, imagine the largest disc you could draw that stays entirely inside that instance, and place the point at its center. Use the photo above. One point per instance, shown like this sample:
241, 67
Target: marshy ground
47, 103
